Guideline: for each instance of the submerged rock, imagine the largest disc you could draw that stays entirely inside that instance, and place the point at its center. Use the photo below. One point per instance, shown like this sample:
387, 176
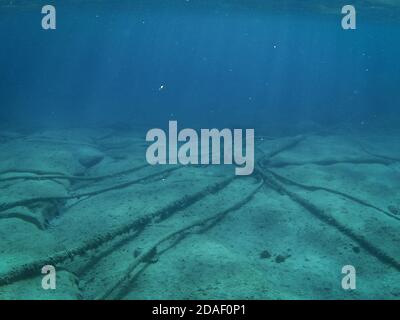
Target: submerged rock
281, 258
265, 254
90, 157
394, 210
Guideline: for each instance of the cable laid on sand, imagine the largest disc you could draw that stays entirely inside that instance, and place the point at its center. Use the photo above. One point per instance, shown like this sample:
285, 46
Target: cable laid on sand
339, 193
25, 218
176, 236
328, 219
27, 202
41, 175
33, 268
330, 162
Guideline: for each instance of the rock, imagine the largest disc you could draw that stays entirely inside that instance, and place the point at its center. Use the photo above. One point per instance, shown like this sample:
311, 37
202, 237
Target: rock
356, 249
394, 210
151, 257
89, 157
265, 255
280, 258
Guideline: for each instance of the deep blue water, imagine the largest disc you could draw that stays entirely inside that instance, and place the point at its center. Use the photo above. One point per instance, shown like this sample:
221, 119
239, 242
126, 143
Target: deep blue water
220, 64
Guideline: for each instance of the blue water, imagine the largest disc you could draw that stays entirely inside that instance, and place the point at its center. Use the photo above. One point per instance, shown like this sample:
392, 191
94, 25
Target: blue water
259, 63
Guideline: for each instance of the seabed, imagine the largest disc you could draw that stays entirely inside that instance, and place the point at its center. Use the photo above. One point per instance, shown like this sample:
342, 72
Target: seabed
86, 201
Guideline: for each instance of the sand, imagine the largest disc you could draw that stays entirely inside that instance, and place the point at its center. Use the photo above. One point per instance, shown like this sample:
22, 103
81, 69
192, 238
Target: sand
114, 227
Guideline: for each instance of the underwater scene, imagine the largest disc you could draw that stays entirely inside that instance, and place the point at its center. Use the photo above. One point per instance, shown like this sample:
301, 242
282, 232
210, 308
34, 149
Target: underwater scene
199, 149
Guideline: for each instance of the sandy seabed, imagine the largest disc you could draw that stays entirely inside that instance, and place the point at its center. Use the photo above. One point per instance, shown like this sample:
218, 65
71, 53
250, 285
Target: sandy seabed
85, 201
